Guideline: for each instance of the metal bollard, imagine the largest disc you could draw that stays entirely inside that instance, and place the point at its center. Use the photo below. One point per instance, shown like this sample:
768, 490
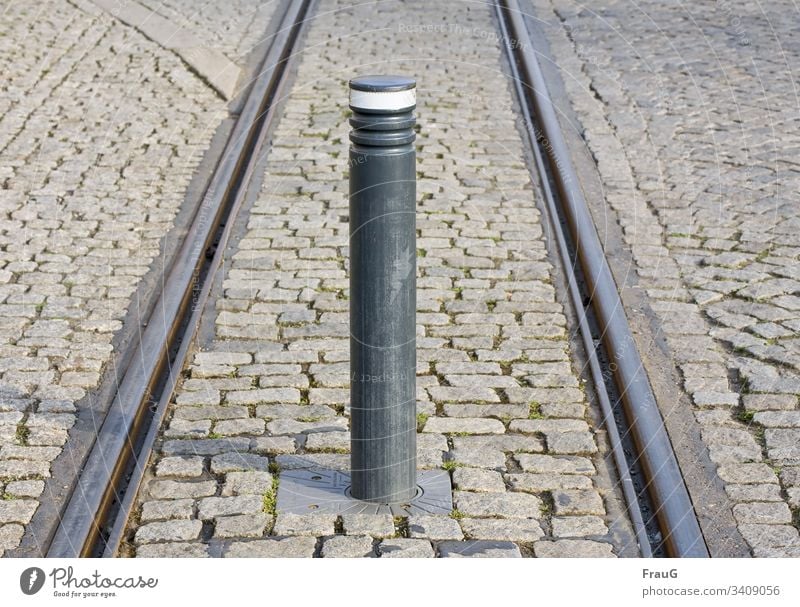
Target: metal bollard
383, 289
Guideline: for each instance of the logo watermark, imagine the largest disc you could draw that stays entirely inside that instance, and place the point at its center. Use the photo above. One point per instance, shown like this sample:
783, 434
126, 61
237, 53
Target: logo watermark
31, 580
64, 582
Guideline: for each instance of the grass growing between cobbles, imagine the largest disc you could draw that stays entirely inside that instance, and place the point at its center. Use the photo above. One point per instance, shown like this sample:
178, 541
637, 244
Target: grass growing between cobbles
270, 498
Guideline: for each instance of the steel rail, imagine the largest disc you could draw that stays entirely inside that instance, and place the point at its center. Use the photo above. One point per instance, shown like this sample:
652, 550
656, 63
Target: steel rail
156, 366
628, 488
681, 533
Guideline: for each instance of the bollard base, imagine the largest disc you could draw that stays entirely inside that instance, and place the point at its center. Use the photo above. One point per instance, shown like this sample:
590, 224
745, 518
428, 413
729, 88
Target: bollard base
308, 491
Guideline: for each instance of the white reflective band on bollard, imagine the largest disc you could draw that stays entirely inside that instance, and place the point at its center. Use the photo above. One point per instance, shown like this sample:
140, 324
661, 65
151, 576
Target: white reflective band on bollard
392, 96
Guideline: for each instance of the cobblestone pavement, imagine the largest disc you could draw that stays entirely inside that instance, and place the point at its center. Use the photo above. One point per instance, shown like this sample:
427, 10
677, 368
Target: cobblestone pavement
500, 405
233, 26
100, 133
691, 113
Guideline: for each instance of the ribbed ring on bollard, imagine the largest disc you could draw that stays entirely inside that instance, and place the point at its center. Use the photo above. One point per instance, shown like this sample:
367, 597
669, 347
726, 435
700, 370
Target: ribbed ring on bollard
383, 289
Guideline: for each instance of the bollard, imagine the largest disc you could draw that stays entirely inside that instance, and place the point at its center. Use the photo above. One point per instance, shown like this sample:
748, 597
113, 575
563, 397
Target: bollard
383, 289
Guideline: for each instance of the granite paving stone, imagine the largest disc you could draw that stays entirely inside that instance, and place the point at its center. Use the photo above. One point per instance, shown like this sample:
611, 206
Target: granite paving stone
712, 242
572, 549
517, 530
159, 510
285, 547
405, 548
347, 546
434, 527
178, 530
93, 179
496, 379
479, 549
374, 525
242, 525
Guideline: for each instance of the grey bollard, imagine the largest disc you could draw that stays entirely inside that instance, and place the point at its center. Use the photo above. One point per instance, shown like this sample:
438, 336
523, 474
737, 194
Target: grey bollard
383, 289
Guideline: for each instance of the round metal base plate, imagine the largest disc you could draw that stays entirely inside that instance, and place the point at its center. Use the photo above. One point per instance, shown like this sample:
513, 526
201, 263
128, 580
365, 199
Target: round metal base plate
313, 490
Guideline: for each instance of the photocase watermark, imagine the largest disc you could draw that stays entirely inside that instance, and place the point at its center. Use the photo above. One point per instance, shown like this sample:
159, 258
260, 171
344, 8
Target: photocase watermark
620, 353
203, 218
357, 159
424, 28
65, 583
373, 379
556, 162
31, 580
457, 29
734, 22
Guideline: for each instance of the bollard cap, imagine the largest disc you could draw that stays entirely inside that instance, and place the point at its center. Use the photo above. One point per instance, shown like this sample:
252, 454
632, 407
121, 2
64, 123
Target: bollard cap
383, 93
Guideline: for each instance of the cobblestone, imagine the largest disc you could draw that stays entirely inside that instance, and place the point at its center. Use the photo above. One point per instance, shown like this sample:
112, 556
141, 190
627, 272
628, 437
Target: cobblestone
578, 502
493, 459
547, 482
479, 549
244, 483
287, 547
375, 525
507, 505
10, 536
236, 462
94, 173
776, 513
474, 479
715, 254
328, 441
572, 549
304, 524
234, 427
347, 546
495, 379
159, 510
19, 489
445, 425
183, 467
543, 464
204, 446
172, 550
405, 548
168, 531
574, 526
754, 493
177, 490
243, 525
769, 536
212, 507
434, 527
516, 530
17, 511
